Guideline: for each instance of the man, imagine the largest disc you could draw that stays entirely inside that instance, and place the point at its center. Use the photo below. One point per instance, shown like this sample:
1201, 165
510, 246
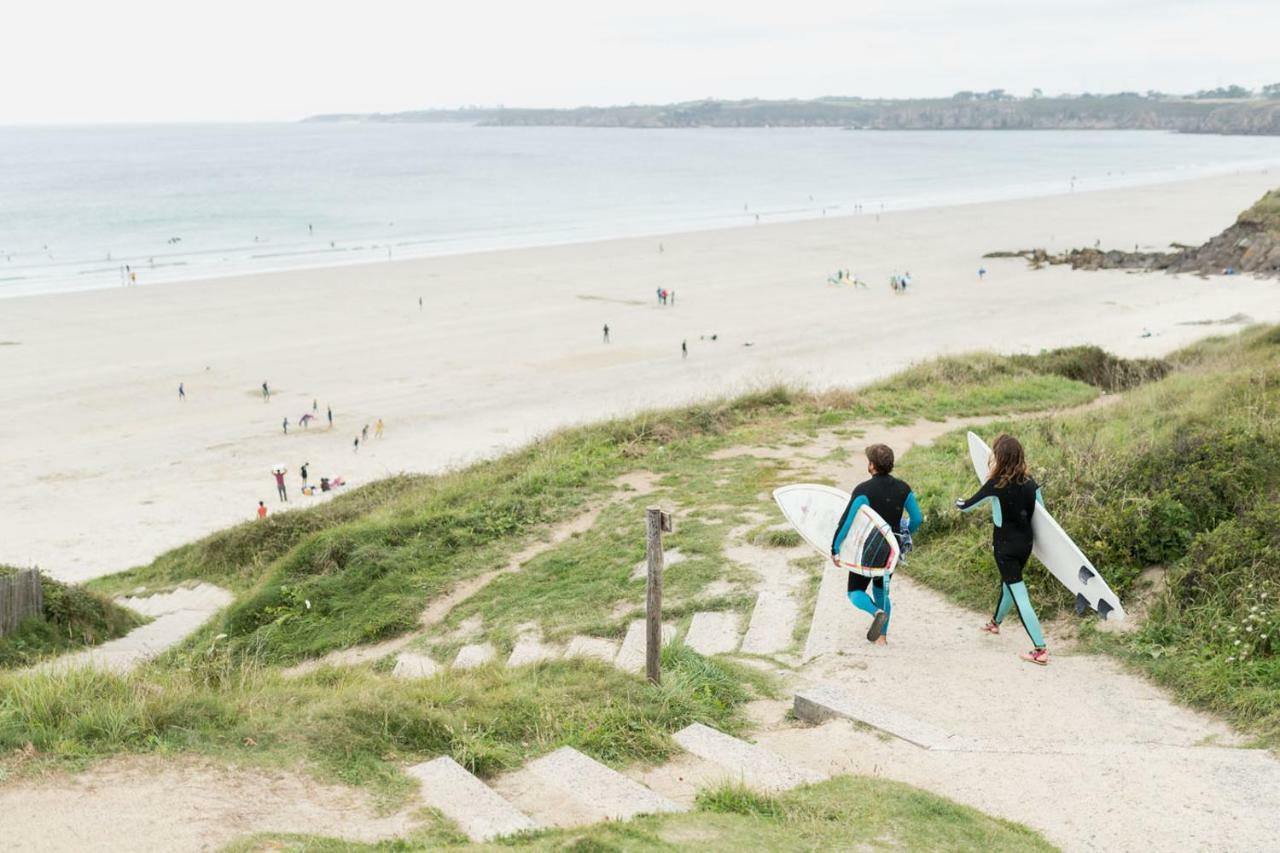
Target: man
262, 510
889, 497
279, 475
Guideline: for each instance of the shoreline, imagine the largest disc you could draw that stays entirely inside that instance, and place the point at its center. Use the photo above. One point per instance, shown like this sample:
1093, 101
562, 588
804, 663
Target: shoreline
110, 470
368, 250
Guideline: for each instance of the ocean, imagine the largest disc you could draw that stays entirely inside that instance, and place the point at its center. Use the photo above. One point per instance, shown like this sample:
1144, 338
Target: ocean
183, 202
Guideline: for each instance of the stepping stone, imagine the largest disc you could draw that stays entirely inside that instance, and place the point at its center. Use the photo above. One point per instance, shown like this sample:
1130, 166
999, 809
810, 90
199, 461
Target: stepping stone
530, 649
592, 647
835, 620
631, 657
753, 765
772, 623
475, 807
607, 793
669, 559
713, 632
204, 597
472, 656
818, 702
410, 665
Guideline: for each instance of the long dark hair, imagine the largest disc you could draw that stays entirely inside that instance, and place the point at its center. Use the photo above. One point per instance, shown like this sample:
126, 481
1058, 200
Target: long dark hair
1008, 463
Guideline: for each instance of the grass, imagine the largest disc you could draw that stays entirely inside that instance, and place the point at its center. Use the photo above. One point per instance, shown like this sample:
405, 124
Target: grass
1183, 473
845, 813
361, 728
73, 618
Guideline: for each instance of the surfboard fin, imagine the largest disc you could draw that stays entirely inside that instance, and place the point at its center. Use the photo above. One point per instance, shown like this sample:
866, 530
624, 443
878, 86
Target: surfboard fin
1104, 609
1086, 575
1082, 604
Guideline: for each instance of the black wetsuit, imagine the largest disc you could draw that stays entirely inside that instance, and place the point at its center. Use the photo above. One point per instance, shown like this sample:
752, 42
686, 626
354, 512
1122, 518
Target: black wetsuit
1012, 507
889, 497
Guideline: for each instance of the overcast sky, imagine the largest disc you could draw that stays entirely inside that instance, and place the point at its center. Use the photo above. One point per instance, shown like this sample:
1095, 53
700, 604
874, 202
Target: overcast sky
178, 60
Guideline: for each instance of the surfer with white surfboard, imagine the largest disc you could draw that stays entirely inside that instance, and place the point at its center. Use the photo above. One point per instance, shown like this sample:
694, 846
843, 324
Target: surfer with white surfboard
889, 498
1013, 496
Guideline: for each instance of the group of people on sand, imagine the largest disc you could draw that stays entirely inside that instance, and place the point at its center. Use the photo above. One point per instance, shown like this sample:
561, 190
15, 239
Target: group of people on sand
1013, 496
842, 277
666, 297
326, 484
900, 283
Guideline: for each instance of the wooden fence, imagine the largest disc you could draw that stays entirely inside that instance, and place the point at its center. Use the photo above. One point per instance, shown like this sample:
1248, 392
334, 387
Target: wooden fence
21, 597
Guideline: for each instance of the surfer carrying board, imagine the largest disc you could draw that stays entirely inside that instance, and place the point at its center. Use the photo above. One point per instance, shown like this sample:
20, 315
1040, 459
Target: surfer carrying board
889, 497
1013, 496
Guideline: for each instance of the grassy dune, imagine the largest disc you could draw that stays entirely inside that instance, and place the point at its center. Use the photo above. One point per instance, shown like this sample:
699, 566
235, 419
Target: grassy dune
73, 618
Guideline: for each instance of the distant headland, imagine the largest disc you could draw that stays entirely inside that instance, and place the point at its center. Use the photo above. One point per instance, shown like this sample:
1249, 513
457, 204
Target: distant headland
1226, 110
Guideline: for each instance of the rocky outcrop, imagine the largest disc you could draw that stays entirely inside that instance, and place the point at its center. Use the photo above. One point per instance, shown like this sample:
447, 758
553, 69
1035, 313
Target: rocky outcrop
1251, 245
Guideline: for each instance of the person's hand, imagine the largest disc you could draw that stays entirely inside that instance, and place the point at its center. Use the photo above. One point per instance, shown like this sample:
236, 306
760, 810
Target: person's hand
835, 560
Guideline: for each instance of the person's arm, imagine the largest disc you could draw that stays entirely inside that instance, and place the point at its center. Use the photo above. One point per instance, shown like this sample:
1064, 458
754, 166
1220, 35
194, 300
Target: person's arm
914, 517
846, 521
983, 495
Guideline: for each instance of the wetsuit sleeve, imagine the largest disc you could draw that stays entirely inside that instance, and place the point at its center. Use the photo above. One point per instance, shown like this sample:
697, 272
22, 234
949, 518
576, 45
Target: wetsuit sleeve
846, 521
914, 517
986, 493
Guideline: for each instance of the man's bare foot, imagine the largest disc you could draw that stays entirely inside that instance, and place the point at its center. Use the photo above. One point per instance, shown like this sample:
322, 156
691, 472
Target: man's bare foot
882, 640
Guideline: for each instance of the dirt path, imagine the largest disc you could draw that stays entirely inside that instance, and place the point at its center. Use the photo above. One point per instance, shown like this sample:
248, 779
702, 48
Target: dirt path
153, 804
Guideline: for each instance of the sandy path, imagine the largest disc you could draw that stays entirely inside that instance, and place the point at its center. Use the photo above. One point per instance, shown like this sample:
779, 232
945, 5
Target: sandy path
149, 804
107, 469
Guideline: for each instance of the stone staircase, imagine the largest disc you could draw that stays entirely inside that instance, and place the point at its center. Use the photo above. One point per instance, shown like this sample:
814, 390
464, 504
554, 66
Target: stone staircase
566, 788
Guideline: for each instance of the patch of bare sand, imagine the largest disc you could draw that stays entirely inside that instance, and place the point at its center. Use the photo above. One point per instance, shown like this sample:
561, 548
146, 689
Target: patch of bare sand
152, 804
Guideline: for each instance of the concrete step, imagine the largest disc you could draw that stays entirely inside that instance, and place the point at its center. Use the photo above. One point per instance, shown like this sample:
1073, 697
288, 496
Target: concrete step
772, 623
598, 791
592, 647
203, 596
631, 656
836, 623
714, 633
474, 655
747, 763
413, 665
818, 702
475, 807
530, 649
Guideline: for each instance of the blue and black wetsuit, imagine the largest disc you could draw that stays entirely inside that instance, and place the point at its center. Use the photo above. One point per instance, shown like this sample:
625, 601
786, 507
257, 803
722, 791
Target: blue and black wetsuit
1012, 506
889, 497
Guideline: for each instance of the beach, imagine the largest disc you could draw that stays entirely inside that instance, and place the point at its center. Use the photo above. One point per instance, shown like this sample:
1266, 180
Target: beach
108, 468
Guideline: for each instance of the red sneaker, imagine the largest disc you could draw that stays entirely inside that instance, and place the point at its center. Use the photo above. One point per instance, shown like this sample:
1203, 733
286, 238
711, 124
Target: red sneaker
1037, 656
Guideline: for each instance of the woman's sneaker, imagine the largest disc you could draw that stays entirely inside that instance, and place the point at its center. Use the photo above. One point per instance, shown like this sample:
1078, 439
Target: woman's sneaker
877, 626
991, 627
1037, 656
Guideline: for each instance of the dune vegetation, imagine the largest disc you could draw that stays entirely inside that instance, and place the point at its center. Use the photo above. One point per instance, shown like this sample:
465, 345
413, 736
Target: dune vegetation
73, 618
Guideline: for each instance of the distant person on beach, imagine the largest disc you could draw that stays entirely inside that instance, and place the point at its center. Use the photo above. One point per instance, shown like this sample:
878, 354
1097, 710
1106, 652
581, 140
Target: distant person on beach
356, 446
266, 392
310, 229
279, 475
890, 498
982, 273
377, 429
671, 295
182, 391
262, 510
684, 349
1013, 496
419, 303
285, 424
606, 333
315, 406
364, 434
303, 472
329, 409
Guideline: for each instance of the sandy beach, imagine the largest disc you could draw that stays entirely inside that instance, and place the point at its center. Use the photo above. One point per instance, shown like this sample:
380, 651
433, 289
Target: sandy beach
107, 468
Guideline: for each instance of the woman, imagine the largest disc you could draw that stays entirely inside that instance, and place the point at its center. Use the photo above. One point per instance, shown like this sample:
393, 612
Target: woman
1013, 496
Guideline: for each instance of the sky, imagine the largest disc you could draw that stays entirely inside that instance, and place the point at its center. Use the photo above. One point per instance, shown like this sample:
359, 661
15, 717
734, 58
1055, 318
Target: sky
86, 61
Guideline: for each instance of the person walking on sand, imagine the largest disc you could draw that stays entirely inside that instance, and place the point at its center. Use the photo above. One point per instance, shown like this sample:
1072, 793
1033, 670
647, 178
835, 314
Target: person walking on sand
262, 510
329, 410
377, 429
606, 333
286, 424
182, 392
315, 407
266, 392
889, 498
356, 447
364, 434
279, 475
303, 472
671, 297
684, 349
1013, 496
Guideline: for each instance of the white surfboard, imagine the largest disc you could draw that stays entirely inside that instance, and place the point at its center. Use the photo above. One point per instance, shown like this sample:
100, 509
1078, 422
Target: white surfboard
1053, 547
869, 549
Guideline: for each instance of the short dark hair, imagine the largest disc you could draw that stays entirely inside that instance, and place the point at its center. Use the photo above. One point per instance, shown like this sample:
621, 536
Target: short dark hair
881, 458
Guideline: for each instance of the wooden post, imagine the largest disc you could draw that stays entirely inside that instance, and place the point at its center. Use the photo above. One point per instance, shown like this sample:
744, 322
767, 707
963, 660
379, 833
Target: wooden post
656, 521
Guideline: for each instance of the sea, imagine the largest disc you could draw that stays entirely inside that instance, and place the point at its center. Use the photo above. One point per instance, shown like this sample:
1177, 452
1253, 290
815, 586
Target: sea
96, 207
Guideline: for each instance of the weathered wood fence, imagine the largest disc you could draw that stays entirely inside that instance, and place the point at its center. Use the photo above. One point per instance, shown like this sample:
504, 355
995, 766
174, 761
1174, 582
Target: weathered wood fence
21, 597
